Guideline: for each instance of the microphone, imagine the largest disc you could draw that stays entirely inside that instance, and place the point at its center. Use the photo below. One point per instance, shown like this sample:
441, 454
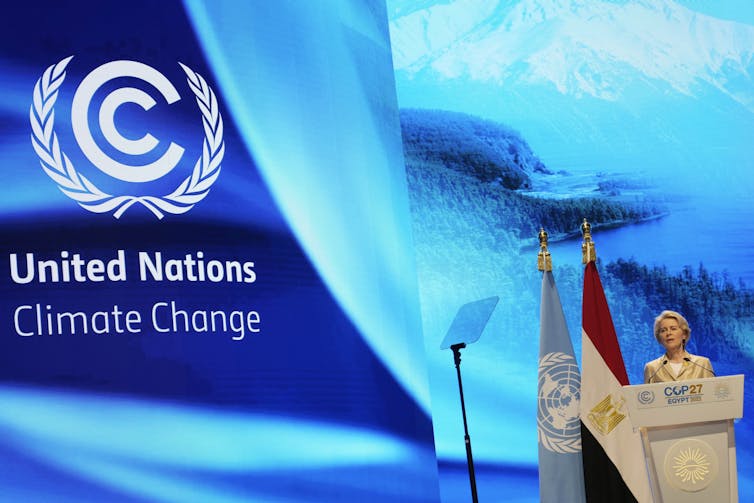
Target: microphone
686, 358
656, 371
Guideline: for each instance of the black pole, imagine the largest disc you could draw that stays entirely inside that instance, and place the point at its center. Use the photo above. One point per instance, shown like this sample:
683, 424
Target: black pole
469, 458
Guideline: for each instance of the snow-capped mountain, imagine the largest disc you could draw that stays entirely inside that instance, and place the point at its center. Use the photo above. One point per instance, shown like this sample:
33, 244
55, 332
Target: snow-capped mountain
581, 47
590, 84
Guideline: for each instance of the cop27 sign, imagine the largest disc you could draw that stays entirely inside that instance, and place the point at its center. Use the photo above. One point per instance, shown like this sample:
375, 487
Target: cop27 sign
81, 189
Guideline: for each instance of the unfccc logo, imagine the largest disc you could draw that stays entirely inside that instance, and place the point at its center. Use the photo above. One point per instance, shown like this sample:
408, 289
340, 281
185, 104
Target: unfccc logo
75, 185
646, 397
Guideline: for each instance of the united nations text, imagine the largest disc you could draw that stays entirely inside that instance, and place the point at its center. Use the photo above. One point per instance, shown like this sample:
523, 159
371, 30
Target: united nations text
152, 266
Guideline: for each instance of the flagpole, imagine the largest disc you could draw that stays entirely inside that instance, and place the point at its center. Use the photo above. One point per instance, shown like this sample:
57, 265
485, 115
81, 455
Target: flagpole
469, 458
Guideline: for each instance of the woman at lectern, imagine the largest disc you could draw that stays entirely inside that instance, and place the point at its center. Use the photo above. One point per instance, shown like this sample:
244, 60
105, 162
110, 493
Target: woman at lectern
672, 332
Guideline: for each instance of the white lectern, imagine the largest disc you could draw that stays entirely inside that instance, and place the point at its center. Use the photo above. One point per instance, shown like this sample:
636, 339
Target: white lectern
689, 442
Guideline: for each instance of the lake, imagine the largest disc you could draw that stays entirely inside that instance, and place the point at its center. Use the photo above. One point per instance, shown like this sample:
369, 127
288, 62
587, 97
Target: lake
715, 232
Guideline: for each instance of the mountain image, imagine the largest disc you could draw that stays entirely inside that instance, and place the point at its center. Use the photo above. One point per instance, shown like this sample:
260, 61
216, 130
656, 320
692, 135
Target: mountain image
593, 85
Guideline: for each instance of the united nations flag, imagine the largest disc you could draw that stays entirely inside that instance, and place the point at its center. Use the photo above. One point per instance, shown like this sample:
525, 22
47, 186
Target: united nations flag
561, 476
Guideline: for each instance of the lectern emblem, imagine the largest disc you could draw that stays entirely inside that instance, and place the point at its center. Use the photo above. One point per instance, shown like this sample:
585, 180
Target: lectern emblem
558, 423
645, 397
691, 465
722, 392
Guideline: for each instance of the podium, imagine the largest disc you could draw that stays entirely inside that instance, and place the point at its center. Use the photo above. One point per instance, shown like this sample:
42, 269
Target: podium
687, 431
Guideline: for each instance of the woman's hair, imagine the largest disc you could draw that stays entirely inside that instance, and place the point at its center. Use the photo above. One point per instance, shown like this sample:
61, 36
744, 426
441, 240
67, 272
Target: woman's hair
682, 323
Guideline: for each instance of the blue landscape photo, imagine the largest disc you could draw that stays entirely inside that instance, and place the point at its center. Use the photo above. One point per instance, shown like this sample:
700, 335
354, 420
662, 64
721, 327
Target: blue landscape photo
516, 115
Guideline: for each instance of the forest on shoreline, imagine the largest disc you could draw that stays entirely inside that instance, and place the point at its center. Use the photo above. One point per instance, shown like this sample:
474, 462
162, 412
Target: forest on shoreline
467, 210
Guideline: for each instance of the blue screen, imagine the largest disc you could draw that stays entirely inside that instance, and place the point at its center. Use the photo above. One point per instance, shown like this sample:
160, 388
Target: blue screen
208, 287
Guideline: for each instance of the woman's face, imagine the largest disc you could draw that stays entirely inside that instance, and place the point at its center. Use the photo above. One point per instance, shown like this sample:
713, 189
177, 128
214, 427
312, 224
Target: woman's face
671, 335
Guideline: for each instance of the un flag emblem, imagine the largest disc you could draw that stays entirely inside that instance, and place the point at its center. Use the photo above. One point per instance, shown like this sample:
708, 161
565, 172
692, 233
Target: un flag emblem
558, 423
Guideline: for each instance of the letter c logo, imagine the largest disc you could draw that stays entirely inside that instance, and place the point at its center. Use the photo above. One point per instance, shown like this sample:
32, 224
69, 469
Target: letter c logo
80, 123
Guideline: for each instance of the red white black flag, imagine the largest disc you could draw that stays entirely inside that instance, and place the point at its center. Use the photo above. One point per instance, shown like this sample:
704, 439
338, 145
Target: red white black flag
614, 464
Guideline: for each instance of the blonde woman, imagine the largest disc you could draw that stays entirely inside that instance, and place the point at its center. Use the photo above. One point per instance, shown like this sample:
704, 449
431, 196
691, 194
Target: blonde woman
672, 331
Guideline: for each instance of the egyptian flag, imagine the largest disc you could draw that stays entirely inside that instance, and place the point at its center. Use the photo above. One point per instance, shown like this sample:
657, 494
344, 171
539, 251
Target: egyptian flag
614, 465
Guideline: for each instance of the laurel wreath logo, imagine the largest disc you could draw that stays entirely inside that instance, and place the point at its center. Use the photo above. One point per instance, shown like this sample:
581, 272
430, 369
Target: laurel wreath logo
646, 397
60, 169
552, 366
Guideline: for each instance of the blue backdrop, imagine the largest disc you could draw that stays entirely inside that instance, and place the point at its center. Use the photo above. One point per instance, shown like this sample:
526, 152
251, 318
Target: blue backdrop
239, 325
254, 316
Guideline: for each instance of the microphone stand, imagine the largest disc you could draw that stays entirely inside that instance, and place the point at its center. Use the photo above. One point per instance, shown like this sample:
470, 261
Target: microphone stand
658, 370
469, 458
686, 358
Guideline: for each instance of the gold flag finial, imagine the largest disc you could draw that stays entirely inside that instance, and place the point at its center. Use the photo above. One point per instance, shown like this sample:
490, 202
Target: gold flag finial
544, 261
588, 254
